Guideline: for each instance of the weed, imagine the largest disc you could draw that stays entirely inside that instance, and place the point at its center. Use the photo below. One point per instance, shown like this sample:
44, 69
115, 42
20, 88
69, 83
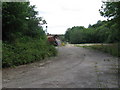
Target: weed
22, 53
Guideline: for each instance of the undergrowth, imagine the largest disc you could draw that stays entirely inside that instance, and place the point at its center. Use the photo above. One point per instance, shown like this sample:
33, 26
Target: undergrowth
112, 49
25, 50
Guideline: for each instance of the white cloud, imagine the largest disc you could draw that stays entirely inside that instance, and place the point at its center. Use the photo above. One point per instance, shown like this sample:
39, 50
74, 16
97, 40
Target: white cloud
62, 14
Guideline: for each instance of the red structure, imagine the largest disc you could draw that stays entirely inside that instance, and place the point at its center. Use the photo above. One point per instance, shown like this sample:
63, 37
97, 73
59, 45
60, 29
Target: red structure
52, 40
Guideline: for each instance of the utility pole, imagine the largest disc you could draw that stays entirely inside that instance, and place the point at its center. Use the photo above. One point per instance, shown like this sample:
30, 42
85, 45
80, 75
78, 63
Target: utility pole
46, 29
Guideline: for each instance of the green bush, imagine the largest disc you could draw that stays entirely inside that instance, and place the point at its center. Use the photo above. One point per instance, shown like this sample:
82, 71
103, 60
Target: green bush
24, 40
22, 53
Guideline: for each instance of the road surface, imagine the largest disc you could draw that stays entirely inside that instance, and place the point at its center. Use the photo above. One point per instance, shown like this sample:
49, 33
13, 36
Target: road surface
74, 67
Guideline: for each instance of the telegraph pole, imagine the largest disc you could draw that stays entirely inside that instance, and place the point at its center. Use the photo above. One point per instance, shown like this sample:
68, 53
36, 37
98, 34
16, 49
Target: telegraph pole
46, 29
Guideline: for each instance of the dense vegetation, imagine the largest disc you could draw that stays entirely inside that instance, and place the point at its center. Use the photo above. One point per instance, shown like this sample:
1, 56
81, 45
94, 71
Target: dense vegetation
24, 40
101, 32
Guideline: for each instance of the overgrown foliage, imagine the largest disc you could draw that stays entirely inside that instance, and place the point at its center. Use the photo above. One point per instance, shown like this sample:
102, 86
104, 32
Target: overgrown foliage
19, 18
21, 53
111, 10
101, 32
24, 40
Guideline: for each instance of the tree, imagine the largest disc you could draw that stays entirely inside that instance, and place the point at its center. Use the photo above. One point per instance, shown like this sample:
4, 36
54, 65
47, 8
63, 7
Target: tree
112, 11
101, 32
67, 34
22, 15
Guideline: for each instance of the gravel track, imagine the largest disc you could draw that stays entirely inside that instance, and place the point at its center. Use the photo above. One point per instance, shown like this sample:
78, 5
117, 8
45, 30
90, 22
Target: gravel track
74, 67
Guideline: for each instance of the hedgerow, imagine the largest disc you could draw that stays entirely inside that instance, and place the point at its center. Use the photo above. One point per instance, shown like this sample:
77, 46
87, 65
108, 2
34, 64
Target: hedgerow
22, 53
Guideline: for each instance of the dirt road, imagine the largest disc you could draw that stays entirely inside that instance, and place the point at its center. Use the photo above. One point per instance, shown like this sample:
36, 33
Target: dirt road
74, 67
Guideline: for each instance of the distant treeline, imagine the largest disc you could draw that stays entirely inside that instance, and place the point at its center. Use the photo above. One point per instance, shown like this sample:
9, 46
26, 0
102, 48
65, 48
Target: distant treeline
24, 40
101, 32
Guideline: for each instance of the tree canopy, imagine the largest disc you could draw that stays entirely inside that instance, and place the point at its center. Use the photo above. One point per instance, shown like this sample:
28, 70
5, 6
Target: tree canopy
101, 32
19, 19
24, 40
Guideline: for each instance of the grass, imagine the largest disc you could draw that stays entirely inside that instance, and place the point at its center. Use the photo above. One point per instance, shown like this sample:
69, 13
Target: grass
112, 49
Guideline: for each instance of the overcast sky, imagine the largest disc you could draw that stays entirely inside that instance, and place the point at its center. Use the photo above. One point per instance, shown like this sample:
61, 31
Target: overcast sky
63, 14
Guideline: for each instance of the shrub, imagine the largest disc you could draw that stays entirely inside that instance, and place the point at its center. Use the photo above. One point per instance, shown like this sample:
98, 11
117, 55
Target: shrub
22, 53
